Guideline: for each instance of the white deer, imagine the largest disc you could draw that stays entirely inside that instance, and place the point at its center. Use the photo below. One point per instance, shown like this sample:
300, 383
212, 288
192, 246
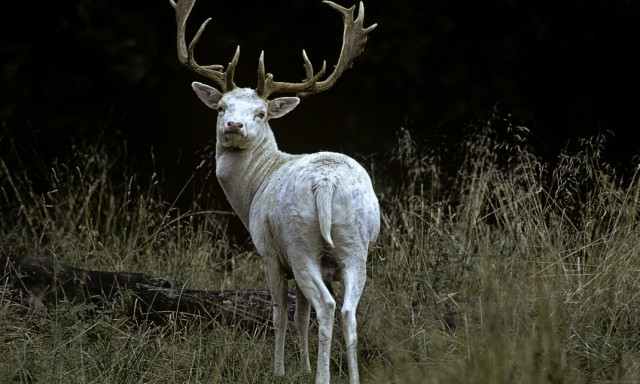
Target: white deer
313, 217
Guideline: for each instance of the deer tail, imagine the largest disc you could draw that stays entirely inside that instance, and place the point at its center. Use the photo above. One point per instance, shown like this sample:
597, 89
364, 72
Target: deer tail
323, 190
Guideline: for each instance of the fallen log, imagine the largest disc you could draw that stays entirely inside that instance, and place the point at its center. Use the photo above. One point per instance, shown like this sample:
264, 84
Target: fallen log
40, 284
44, 284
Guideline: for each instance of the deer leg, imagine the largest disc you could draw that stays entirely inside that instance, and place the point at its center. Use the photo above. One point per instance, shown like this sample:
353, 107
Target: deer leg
309, 279
353, 280
302, 326
325, 307
277, 285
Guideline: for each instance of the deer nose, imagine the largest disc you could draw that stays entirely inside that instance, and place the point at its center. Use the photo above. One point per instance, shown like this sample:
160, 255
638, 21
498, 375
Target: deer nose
234, 127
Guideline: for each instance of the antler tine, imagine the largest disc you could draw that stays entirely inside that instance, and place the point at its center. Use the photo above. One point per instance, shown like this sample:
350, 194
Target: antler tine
224, 79
262, 78
231, 69
308, 68
353, 40
266, 85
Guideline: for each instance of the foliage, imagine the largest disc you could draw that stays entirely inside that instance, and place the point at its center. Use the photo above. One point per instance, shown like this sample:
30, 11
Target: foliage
508, 270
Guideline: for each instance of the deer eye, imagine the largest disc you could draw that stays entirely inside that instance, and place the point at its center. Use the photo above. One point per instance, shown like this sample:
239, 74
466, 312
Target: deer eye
220, 108
261, 115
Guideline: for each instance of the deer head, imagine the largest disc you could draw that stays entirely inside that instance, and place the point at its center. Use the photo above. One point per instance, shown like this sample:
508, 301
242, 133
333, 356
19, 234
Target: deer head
242, 113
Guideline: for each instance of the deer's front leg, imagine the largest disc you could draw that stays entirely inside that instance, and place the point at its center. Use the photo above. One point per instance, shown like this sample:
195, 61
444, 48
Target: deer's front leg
278, 287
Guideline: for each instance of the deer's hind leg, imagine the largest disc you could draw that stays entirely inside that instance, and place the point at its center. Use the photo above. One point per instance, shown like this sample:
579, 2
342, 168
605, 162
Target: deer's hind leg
301, 319
308, 274
353, 279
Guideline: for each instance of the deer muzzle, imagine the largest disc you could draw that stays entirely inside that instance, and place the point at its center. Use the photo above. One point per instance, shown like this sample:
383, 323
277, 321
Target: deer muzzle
235, 128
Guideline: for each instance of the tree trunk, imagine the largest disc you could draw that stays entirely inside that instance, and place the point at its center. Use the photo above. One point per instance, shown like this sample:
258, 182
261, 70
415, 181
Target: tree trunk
41, 284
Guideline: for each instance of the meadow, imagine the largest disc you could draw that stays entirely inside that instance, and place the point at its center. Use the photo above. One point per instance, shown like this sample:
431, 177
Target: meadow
492, 266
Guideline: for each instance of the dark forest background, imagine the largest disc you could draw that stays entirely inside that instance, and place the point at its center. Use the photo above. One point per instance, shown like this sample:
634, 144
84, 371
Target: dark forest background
86, 68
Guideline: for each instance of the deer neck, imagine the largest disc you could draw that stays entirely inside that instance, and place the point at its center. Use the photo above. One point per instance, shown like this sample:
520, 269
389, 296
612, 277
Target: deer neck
244, 173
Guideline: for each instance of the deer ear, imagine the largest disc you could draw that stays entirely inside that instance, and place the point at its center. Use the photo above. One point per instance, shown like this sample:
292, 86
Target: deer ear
281, 106
209, 95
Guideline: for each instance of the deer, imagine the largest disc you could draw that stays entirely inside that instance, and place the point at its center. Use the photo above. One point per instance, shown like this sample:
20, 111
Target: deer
313, 217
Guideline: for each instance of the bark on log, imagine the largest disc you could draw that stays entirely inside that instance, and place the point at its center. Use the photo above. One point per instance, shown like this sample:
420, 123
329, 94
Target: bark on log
44, 284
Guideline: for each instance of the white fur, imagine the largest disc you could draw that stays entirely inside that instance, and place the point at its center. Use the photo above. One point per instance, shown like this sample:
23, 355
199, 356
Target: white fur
312, 218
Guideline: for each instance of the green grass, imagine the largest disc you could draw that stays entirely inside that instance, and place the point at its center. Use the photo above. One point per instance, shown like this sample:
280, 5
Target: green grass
491, 267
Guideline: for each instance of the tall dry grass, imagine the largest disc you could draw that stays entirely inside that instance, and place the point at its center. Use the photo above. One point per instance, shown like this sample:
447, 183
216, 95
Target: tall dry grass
506, 269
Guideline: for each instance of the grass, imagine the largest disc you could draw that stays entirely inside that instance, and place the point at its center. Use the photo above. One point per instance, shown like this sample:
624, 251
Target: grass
492, 266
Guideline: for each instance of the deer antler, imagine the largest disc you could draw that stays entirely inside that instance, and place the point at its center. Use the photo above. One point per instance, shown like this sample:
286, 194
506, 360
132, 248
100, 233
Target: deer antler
353, 41
215, 72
